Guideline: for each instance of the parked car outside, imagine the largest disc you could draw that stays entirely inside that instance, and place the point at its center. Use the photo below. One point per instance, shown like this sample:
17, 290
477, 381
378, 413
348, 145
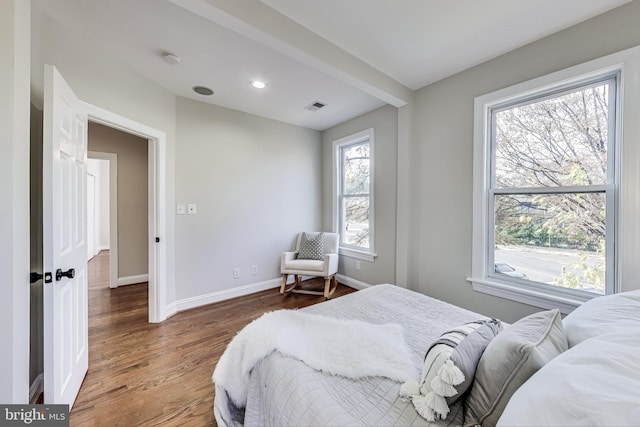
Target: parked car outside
506, 269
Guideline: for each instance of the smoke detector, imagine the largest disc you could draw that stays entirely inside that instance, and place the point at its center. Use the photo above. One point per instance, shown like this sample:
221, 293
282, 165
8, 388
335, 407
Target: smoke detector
315, 106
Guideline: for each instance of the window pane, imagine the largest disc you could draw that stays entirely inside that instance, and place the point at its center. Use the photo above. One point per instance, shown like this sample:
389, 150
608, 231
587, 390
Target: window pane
559, 141
557, 239
356, 169
356, 222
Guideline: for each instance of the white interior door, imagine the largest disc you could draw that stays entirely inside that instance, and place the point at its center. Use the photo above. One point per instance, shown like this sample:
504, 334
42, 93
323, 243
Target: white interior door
65, 252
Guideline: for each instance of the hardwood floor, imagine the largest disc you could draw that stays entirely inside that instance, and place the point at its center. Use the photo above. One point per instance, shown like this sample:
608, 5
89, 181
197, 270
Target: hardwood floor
159, 374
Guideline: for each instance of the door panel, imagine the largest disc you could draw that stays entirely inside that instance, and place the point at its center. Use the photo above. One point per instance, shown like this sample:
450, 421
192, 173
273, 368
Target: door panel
65, 205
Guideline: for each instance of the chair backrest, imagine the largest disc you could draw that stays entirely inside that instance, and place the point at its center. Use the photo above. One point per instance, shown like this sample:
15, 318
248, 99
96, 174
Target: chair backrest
331, 241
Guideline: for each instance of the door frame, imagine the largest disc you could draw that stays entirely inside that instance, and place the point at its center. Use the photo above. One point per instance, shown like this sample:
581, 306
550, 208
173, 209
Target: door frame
156, 205
112, 158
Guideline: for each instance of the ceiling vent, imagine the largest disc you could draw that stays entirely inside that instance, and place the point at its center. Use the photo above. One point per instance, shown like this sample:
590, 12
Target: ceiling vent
315, 106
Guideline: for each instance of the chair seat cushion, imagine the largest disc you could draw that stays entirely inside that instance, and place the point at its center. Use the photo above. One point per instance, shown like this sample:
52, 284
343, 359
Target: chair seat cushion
304, 264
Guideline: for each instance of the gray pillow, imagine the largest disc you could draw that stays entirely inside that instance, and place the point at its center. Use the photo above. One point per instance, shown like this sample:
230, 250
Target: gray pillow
509, 360
467, 354
311, 247
449, 367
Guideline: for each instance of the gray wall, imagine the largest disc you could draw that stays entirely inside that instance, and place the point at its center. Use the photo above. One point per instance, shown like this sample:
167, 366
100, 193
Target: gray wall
133, 212
256, 183
384, 120
444, 138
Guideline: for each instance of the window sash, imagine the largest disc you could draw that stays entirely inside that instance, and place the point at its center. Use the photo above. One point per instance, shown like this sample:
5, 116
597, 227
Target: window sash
340, 146
609, 189
344, 195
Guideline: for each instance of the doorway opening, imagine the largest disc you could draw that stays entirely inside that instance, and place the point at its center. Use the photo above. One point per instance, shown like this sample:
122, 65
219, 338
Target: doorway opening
119, 160
156, 191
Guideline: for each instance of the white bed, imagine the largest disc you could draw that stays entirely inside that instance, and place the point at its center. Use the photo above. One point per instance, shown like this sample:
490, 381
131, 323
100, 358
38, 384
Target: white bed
286, 391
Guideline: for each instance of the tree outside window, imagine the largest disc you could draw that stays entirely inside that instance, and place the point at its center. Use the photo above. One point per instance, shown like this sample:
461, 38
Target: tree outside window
353, 157
551, 184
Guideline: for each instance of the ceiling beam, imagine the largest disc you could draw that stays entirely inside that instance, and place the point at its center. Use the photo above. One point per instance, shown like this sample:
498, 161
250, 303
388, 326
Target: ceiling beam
259, 22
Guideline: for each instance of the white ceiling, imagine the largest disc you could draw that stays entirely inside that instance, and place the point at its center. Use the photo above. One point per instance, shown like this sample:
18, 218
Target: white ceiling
418, 42
353, 55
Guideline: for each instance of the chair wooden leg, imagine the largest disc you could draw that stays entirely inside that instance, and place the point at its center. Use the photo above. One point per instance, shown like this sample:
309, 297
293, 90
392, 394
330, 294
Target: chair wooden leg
327, 285
284, 283
330, 286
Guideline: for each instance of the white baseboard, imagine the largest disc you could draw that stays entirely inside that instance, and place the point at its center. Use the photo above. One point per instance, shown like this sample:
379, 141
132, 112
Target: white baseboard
352, 283
103, 248
132, 280
36, 388
194, 302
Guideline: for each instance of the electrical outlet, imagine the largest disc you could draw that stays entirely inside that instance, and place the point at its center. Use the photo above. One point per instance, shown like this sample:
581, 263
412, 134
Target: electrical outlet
254, 269
236, 273
358, 265
191, 208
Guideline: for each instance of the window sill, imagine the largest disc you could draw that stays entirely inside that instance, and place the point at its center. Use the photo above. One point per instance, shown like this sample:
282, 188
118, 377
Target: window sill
566, 304
352, 253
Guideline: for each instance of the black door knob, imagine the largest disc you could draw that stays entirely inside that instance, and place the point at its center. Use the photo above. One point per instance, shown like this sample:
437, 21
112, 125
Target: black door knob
70, 273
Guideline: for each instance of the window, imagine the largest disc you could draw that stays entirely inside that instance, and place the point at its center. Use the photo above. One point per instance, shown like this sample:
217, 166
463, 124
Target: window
353, 194
548, 215
552, 179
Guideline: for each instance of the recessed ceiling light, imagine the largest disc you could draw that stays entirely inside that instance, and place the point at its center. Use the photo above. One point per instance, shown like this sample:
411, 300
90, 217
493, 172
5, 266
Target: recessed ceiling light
202, 90
170, 58
258, 84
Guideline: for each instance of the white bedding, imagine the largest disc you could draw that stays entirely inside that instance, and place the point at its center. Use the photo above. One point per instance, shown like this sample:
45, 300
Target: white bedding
345, 347
284, 391
599, 386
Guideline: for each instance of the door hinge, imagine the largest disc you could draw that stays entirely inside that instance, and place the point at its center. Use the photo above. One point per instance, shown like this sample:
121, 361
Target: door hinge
157, 240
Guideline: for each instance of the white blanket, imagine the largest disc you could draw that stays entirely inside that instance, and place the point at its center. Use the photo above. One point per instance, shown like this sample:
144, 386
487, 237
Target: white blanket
350, 348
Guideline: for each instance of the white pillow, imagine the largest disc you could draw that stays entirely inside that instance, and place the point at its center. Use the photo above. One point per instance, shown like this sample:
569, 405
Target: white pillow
602, 315
595, 383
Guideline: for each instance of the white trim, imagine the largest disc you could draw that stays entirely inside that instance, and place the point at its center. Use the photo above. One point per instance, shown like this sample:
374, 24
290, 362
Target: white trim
352, 283
37, 387
358, 137
103, 248
527, 296
193, 302
158, 261
112, 158
362, 255
626, 62
132, 280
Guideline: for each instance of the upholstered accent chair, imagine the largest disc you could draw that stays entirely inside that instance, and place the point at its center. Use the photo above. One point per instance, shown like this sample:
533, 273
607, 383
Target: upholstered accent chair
316, 254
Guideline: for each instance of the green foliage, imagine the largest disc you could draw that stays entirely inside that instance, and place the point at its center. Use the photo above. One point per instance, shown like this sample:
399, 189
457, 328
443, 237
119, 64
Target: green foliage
590, 273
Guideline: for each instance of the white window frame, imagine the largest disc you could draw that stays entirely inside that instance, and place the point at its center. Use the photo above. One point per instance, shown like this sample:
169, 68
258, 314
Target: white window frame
626, 193
356, 138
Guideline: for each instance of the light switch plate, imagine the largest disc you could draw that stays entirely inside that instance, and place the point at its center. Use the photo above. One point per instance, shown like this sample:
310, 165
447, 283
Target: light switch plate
191, 208
180, 209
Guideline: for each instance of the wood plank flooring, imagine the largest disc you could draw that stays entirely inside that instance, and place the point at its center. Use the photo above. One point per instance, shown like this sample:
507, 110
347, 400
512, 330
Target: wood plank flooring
159, 374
